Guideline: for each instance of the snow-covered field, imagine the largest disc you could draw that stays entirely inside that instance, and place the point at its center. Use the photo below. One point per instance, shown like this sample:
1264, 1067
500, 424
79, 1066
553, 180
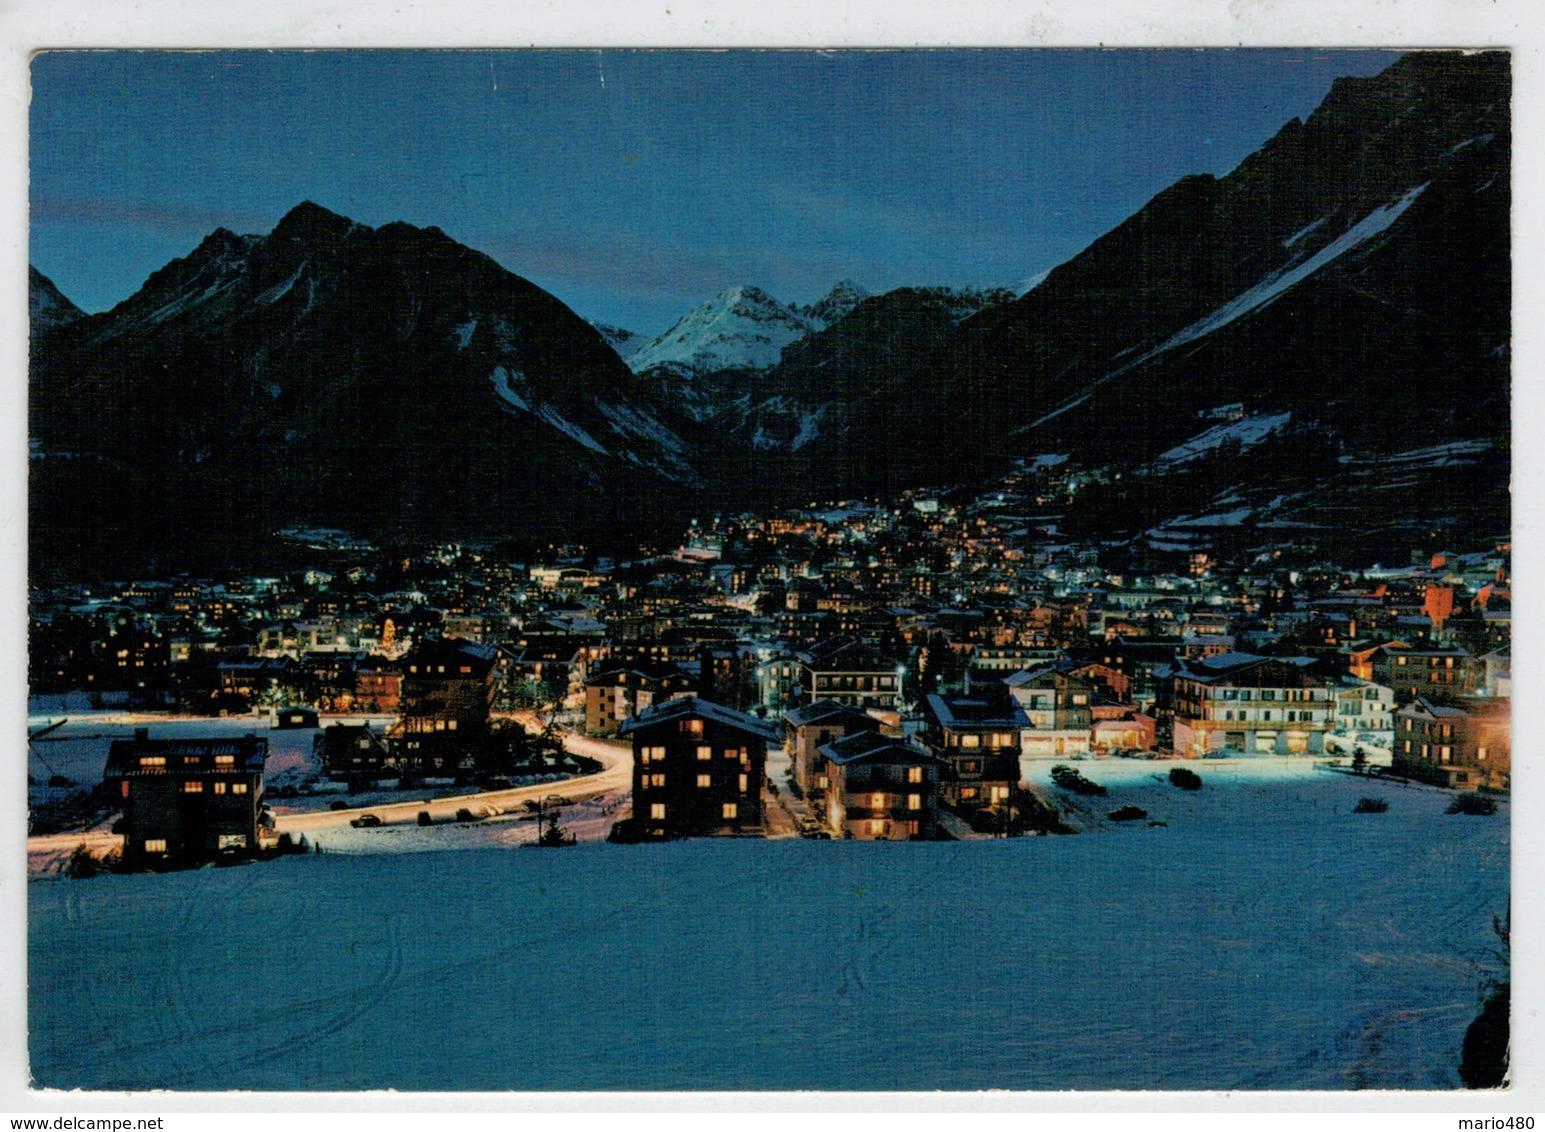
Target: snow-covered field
1265, 937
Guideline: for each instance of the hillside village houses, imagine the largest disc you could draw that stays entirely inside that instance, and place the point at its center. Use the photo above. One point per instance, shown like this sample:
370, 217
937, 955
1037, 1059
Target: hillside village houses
1025, 642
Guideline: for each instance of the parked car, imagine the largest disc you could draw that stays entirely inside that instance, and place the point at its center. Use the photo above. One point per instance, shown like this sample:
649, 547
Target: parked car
365, 821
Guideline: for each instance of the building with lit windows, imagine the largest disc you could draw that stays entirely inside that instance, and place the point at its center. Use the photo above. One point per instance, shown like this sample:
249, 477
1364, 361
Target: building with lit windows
880, 789
1247, 704
187, 800
977, 736
1462, 747
699, 769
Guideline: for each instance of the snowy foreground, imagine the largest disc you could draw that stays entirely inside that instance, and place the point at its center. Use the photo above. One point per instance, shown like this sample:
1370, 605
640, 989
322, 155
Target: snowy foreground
1265, 938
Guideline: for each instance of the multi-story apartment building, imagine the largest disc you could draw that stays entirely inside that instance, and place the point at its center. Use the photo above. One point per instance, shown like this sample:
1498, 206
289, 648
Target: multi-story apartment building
1455, 746
977, 736
1059, 708
880, 789
1248, 704
851, 673
698, 769
813, 726
617, 694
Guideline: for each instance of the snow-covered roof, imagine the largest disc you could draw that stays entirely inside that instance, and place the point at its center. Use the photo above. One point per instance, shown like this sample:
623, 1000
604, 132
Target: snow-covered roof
695, 707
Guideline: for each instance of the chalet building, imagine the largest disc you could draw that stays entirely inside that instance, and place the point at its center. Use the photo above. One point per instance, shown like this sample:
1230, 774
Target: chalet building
354, 753
1247, 704
851, 673
378, 685
1059, 708
1464, 747
616, 695
880, 789
295, 718
1362, 705
187, 800
252, 679
812, 727
1438, 675
698, 769
977, 736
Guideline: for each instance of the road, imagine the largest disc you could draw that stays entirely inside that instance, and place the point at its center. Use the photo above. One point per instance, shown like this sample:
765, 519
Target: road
615, 775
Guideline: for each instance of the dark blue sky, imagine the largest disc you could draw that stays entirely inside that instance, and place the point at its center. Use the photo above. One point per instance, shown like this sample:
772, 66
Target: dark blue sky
635, 185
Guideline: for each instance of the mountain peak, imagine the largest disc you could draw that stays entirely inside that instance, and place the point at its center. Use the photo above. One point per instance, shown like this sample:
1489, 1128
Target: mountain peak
47, 306
310, 221
742, 327
842, 298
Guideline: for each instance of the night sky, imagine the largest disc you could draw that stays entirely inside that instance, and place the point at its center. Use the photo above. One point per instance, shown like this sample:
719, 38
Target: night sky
635, 185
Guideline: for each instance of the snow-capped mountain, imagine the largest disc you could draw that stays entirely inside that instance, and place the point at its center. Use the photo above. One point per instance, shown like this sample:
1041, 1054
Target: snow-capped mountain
1352, 272
1346, 288
47, 308
740, 328
328, 372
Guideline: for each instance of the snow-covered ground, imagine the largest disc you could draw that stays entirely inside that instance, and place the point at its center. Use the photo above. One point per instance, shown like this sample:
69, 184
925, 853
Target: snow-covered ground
1265, 937
78, 750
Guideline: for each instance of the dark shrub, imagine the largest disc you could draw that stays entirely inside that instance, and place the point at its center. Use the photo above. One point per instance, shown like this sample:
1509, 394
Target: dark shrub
424, 818
1472, 804
1185, 779
1128, 813
1370, 806
82, 864
340, 805
1069, 779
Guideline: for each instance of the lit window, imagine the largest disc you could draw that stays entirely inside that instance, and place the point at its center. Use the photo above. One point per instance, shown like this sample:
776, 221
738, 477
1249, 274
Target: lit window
657, 780
877, 827
219, 788
193, 787
238, 788
155, 845
704, 754
153, 760
914, 774
704, 780
657, 811
731, 810
693, 726
970, 740
914, 801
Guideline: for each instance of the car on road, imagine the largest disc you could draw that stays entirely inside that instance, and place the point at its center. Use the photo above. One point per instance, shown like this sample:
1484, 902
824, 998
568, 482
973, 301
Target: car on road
365, 821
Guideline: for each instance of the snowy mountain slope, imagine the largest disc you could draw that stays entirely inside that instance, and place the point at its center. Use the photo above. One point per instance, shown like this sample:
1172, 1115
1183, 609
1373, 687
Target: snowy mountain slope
47, 308
1266, 938
1358, 259
740, 328
453, 396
